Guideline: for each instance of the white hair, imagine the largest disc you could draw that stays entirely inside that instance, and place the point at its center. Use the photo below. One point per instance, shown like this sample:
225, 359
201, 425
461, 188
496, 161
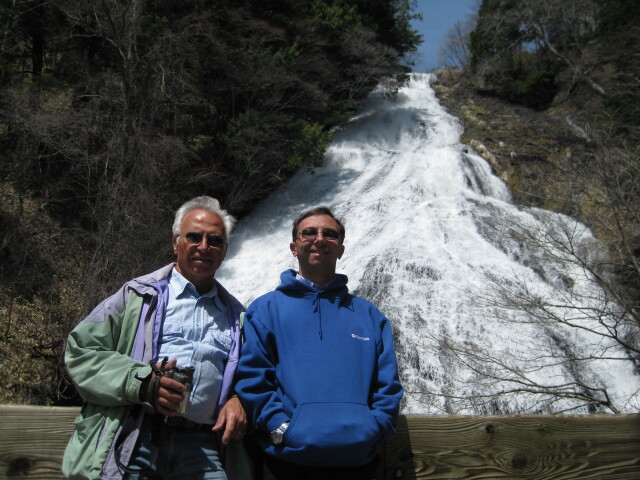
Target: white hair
204, 203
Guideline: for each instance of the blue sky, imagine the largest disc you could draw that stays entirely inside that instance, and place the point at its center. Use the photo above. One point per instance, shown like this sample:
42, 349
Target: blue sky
438, 18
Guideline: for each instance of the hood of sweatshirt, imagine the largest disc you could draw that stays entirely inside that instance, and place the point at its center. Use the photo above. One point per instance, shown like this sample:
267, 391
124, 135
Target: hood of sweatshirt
336, 289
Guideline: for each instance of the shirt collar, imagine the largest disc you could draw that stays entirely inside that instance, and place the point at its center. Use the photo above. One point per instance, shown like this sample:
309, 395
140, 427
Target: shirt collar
183, 287
308, 283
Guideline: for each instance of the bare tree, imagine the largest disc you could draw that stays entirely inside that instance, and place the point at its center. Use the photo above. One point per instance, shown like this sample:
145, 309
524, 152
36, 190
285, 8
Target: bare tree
579, 320
455, 52
497, 380
559, 27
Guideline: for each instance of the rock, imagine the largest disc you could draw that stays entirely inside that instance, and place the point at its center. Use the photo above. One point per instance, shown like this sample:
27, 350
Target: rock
537, 153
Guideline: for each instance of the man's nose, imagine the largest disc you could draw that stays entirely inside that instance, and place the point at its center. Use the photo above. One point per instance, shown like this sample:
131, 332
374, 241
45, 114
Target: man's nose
319, 237
203, 245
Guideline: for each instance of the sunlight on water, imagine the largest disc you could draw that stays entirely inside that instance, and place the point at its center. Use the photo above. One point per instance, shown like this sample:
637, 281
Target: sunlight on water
425, 242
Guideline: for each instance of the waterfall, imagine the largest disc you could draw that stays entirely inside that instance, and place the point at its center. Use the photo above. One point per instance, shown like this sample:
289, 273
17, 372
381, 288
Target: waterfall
433, 240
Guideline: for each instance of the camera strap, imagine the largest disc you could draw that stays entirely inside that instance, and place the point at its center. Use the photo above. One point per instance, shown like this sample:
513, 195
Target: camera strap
155, 381
152, 392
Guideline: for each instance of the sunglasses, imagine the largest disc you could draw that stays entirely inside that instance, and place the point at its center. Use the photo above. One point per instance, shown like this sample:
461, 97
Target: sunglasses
213, 240
310, 234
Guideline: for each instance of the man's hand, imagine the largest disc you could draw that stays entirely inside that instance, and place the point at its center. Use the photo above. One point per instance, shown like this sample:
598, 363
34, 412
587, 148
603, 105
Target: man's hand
233, 419
169, 393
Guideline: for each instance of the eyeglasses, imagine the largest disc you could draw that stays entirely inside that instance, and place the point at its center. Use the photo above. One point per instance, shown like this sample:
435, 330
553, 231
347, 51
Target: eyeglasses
213, 240
310, 234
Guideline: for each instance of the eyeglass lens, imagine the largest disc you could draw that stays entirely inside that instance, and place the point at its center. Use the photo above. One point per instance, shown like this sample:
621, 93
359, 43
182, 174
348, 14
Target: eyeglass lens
311, 233
213, 240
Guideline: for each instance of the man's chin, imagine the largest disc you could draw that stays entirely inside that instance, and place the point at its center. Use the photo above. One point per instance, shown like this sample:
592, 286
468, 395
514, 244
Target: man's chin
203, 270
200, 270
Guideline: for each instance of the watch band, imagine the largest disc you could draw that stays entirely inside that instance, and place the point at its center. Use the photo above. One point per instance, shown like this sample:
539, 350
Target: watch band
277, 435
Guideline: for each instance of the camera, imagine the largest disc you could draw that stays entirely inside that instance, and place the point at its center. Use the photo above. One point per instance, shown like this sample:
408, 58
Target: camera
185, 377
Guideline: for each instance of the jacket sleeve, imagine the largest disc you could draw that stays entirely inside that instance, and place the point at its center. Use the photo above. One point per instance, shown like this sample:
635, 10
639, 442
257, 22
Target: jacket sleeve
388, 391
98, 349
257, 386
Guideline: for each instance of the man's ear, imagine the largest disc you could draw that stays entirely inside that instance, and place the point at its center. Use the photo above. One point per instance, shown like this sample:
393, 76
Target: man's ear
341, 251
174, 244
294, 249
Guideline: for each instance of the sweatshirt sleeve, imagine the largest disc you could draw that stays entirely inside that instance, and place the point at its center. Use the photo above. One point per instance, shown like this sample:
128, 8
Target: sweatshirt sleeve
97, 353
257, 385
385, 403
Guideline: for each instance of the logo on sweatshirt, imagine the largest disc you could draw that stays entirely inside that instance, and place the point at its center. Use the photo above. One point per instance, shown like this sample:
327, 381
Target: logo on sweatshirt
358, 337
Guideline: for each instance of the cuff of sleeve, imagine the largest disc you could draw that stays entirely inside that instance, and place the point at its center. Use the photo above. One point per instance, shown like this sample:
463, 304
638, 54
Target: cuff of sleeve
275, 421
135, 382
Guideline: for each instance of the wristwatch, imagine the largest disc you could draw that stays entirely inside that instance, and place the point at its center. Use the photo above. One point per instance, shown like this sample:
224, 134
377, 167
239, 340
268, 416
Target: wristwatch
277, 435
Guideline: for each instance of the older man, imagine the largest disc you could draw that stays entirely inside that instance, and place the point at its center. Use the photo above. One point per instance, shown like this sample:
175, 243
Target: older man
138, 420
318, 373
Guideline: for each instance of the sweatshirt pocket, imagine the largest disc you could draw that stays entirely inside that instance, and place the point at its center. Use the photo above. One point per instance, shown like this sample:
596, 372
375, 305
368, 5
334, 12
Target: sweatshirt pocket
331, 434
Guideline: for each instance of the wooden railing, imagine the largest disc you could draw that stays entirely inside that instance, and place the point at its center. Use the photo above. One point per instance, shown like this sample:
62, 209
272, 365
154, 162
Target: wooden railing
607, 447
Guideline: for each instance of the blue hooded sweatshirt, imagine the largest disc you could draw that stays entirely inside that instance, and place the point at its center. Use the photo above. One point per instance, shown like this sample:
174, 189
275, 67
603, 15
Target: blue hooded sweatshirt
323, 360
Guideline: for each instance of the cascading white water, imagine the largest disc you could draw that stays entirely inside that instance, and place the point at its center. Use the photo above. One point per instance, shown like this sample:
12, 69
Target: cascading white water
427, 242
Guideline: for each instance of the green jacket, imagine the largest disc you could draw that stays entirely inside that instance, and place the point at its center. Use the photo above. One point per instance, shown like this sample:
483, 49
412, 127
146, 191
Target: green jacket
107, 357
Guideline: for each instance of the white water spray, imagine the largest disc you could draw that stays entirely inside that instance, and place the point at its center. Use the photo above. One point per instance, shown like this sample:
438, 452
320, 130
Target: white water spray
426, 243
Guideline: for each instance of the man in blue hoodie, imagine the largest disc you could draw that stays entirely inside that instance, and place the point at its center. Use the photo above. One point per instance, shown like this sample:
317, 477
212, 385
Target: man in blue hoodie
318, 375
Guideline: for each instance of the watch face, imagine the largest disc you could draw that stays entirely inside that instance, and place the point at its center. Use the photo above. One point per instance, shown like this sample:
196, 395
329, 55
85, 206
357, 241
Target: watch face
278, 434
276, 437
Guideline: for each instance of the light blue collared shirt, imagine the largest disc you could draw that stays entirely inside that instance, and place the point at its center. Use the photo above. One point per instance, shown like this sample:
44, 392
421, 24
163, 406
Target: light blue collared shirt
309, 283
197, 333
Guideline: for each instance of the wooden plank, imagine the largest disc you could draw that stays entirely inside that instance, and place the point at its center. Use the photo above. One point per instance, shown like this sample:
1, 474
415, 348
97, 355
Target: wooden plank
515, 447
32, 441
563, 447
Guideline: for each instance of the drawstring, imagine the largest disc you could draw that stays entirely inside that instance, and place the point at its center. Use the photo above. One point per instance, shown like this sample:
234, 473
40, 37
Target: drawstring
316, 309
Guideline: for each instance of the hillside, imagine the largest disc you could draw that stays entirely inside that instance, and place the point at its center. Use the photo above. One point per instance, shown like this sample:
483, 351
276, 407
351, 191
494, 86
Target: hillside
577, 155
539, 154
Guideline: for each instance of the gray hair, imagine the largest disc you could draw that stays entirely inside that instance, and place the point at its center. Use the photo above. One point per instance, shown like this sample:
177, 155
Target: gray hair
204, 203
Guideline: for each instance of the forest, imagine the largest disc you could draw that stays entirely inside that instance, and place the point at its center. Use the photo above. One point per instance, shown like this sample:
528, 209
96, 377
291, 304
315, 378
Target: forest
114, 112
